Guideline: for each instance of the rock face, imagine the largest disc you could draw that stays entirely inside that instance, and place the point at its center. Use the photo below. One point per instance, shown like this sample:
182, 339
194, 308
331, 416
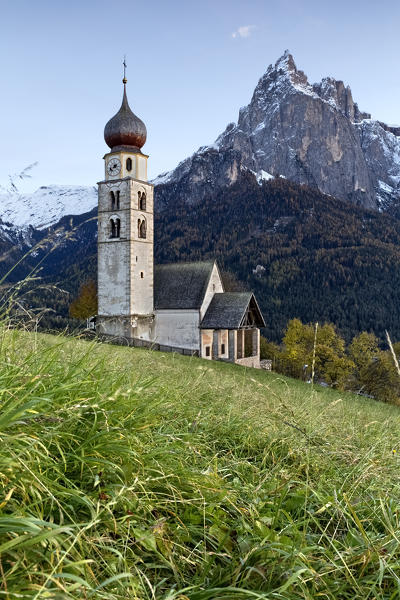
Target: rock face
311, 134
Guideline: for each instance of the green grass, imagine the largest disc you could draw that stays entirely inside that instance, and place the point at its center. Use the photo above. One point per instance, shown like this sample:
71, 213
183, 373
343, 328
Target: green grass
130, 474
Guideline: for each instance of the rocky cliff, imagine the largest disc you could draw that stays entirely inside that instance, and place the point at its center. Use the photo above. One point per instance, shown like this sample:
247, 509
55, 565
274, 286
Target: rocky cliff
311, 134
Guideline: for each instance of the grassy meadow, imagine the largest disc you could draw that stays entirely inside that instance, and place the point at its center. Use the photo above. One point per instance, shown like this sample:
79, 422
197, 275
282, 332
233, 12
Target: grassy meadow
131, 474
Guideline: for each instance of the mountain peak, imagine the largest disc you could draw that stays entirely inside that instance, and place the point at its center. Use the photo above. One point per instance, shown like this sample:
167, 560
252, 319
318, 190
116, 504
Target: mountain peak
312, 134
285, 62
286, 66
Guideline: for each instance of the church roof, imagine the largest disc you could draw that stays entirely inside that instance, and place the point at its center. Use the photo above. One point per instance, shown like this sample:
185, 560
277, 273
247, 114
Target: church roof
233, 310
125, 130
181, 285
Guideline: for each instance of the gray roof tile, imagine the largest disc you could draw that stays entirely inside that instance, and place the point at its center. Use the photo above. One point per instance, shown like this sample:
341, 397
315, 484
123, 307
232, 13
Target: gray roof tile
228, 311
181, 285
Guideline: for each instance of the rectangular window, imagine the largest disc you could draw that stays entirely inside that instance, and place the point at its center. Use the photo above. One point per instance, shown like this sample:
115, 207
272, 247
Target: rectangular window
222, 348
207, 350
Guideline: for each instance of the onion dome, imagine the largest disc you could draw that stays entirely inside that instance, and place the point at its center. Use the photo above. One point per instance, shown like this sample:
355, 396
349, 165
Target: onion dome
125, 130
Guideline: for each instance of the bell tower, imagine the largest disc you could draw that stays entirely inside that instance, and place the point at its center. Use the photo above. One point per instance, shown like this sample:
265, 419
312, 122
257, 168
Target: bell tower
125, 231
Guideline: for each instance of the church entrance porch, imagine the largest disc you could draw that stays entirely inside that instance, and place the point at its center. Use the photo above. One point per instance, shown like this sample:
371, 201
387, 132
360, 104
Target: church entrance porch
230, 329
240, 346
248, 347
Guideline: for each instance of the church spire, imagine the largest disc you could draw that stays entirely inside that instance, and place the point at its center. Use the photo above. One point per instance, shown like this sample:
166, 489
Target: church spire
125, 130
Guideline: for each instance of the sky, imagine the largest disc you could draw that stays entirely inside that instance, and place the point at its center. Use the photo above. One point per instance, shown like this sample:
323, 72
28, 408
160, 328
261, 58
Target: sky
191, 66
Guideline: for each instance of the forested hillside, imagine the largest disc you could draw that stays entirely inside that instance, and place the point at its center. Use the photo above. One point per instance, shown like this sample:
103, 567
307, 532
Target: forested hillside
315, 257
320, 258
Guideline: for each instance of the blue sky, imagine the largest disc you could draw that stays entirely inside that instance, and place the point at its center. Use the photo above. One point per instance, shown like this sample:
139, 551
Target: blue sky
191, 66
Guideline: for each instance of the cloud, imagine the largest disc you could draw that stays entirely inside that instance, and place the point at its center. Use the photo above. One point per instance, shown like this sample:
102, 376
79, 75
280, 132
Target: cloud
244, 31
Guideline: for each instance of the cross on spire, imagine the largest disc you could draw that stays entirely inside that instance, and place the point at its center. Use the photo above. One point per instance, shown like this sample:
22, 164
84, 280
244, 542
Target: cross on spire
125, 65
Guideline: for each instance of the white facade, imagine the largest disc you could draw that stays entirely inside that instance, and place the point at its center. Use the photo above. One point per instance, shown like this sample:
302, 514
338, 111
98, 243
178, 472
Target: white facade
177, 328
214, 287
180, 328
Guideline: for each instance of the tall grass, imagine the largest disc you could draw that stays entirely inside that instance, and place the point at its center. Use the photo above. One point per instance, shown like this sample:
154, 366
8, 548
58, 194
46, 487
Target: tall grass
131, 474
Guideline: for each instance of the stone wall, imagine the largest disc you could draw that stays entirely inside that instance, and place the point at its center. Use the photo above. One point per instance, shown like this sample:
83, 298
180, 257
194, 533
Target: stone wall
251, 361
125, 263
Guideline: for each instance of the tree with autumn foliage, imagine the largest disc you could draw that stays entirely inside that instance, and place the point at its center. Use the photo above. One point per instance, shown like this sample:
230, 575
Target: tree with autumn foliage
305, 343
85, 304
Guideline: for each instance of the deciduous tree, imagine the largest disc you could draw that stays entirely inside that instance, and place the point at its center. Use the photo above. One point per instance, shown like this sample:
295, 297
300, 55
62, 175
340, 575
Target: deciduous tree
85, 305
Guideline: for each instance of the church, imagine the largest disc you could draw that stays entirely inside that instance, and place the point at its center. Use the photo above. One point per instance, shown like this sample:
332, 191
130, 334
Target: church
180, 307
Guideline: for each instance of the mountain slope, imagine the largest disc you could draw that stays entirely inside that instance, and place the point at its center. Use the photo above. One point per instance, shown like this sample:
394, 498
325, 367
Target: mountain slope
45, 207
311, 134
305, 254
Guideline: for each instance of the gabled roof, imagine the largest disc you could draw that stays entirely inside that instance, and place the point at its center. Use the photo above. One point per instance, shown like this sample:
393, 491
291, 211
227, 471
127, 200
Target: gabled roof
233, 310
181, 285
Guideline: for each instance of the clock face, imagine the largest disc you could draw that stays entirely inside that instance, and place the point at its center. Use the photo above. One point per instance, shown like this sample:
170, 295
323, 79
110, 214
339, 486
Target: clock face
114, 166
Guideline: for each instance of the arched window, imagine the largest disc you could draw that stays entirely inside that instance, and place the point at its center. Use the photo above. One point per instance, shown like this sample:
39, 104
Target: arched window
115, 227
142, 228
114, 196
142, 201
129, 164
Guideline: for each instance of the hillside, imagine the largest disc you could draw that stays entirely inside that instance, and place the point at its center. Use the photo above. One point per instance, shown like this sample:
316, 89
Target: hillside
318, 258
127, 473
304, 254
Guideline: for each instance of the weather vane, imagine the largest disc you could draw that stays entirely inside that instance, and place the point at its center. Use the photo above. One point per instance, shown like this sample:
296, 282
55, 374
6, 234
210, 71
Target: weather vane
124, 63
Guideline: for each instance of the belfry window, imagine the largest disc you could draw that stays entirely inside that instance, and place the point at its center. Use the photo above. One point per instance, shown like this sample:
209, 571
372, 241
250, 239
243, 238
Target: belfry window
129, 164
115, 228
142, 200
114, 196
142, 228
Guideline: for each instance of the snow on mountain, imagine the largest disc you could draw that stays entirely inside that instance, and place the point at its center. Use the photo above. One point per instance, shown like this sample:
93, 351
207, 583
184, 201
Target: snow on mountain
308, 133
46, 206
312, 134
382, 154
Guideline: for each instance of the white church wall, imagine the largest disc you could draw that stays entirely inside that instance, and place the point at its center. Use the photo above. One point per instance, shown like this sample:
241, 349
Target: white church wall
113, 294
113, 255
143, 328
142, 278
141, 167
214, 287
179, 328
142, 261
114, 326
